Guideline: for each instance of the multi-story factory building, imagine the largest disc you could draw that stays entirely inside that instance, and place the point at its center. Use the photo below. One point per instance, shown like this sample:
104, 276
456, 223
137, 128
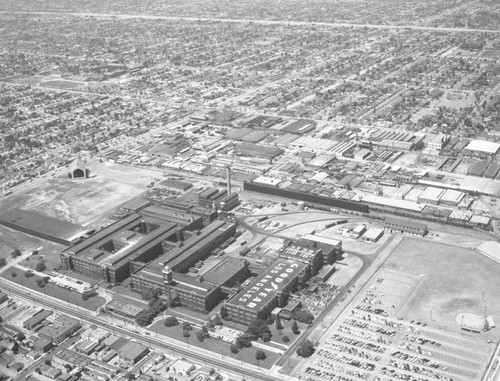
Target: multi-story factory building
110, 254
269, 290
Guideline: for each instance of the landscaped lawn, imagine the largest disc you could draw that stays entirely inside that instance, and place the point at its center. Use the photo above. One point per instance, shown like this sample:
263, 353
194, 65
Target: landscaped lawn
246, 355
50, 289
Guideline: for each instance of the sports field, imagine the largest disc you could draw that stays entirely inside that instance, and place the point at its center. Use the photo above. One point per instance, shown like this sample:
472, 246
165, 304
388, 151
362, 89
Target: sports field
454, 280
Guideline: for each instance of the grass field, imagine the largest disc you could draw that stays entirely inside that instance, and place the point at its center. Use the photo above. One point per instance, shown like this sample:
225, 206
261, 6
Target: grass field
11, 239
454, 280
65, 295
246, 355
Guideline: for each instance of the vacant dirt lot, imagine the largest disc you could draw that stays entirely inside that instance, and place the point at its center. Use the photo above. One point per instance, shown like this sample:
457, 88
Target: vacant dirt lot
84, 201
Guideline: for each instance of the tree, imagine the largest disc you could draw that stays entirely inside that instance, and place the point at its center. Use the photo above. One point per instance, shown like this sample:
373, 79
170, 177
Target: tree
175, 302
303, 316
266, 337
260, 354
269, 320
216, 320
186, 326
40, 266
186, 333
285, 339
279, 326
200, 336
29, 273
223, 312
149, 294
3, 262
234, 348
295, 328
257, 328
243, 341
305, 349
171, 321
145, 317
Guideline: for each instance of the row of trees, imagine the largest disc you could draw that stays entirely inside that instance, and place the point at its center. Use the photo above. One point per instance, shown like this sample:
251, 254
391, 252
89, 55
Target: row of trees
156, 305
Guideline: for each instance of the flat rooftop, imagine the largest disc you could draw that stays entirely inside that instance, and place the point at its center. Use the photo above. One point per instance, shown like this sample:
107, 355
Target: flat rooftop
323, 240
122, 241
483, 146
223, 271
265, 287
40, 225
124, 308
298, 253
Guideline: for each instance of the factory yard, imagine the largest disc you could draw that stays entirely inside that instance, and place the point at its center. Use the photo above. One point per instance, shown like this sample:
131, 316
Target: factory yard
387, 332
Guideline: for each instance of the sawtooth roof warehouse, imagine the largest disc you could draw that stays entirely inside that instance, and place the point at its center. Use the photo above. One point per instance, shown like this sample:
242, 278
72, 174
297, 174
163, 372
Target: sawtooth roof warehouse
267, 291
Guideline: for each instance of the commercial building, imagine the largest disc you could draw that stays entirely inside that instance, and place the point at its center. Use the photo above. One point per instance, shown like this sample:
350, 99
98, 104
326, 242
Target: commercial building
481, 148
451, 197
373, 234
133, 352
438, 142
123, 309
62, 328
405, 226
50, 372
67, 357
42, 345
36, 319
269, 290
431, 196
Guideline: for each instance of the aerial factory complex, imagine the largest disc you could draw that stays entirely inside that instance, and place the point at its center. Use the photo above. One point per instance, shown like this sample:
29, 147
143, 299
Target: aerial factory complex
249, 191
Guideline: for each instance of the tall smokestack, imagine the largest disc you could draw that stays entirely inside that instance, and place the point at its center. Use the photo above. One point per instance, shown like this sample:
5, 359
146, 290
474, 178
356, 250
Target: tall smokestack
228, 175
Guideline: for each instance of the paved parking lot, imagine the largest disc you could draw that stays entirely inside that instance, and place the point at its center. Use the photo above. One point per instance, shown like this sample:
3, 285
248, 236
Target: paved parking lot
369, 341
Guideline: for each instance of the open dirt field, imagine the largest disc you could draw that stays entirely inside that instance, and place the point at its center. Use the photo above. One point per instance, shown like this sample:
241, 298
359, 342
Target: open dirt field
84, 201
453, 282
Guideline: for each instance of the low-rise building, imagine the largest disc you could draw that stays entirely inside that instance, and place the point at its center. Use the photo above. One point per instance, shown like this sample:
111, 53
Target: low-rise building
373, 234
62, 328
133, 352
405, 226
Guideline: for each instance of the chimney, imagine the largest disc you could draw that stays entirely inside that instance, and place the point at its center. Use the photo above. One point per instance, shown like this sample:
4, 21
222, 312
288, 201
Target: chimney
228, 180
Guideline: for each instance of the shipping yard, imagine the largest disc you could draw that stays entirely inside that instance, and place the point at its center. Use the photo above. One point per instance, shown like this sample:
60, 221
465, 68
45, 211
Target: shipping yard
254, 191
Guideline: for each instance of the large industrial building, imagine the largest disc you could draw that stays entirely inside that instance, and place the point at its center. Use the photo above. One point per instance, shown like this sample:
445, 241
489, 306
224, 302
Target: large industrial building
166, 273
112, 253
269, 290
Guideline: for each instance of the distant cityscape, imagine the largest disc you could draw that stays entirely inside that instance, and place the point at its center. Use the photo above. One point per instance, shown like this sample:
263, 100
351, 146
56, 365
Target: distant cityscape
259, 190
